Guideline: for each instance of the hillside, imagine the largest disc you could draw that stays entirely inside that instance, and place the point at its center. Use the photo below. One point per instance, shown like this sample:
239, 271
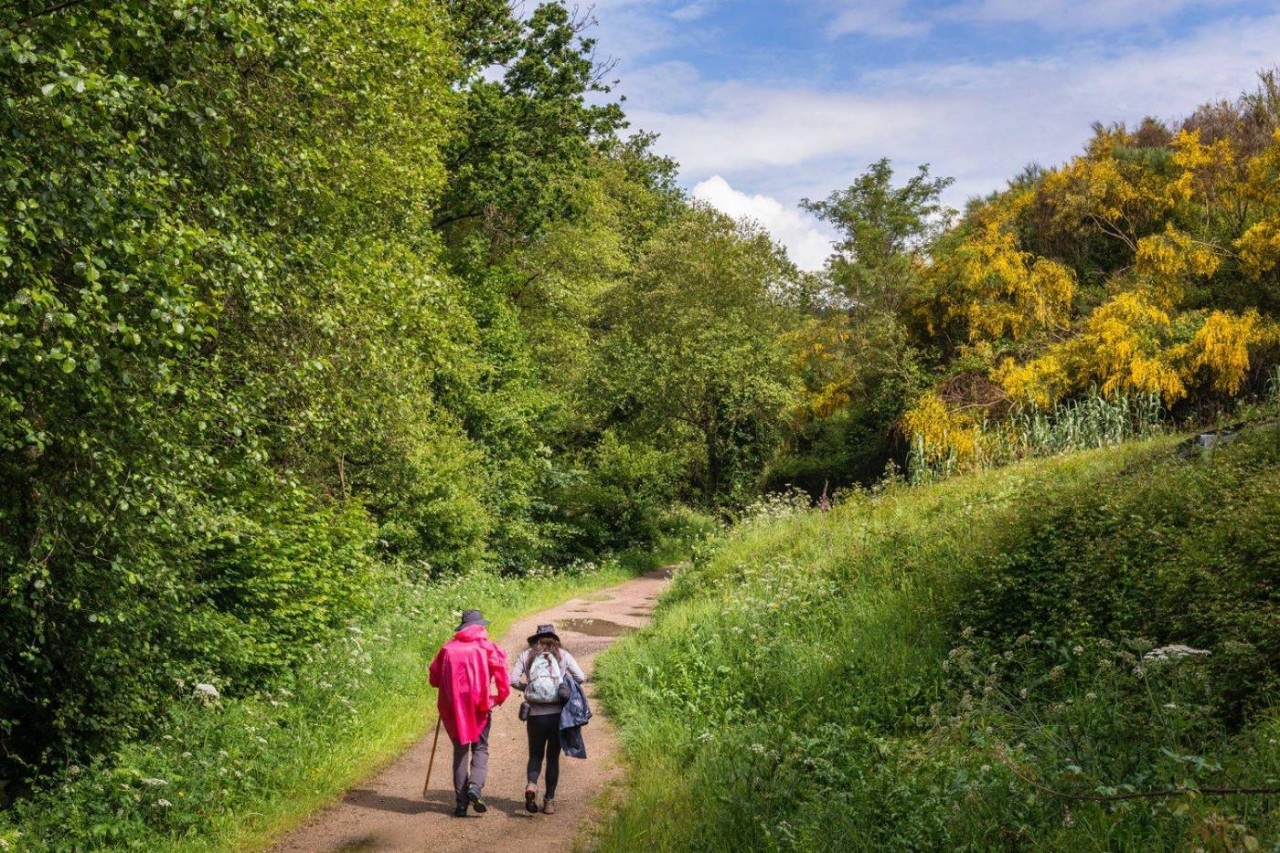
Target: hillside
1064, 654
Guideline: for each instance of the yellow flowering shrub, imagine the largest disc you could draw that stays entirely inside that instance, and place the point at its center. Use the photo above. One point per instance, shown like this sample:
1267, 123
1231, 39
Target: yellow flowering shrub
943, 433
1221, 348
1209, 173
1123, 347
1169, 260
1259, 248
819, 354
994, 287
1042, 381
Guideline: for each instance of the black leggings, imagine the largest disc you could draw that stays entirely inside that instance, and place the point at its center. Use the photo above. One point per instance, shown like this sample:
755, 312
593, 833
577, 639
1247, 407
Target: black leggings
544, 737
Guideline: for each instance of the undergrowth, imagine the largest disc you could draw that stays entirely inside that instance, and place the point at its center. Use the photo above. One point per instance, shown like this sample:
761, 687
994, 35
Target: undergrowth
1072, 653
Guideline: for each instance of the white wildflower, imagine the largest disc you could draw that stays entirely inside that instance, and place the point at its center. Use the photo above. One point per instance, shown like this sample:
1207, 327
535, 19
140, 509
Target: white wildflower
1078, 649
1091, 696
757, 747
1173, 653
154, 782
163, 803
706, 737
986, 768
207, 690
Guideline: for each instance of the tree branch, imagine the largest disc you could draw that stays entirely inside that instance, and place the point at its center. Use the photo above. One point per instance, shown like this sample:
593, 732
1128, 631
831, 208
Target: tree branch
56, 7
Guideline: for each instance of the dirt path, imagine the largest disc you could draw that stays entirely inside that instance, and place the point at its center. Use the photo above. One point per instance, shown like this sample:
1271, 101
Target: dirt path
389, 812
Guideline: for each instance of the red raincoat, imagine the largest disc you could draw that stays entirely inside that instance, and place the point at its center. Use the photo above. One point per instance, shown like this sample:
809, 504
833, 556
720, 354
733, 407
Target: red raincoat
462, 670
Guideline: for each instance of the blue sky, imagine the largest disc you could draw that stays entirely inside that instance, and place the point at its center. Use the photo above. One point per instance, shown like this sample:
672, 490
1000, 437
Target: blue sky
765, 103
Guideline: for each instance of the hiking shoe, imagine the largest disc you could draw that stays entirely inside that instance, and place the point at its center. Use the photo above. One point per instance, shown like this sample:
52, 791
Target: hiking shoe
548, 805
473, 797
531, 800
460, 811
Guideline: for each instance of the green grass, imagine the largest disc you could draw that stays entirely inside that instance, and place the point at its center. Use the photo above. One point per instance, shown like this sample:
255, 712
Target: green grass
923, 668
236, 773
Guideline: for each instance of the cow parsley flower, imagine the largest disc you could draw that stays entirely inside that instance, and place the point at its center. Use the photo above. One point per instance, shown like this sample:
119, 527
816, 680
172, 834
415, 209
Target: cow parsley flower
207, 690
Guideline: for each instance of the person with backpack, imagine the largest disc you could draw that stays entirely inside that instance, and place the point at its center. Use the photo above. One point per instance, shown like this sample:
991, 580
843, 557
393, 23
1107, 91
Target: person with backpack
540, 672
470, 671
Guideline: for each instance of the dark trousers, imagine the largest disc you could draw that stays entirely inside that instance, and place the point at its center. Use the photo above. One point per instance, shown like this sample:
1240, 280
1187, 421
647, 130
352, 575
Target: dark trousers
544, 739
475, 771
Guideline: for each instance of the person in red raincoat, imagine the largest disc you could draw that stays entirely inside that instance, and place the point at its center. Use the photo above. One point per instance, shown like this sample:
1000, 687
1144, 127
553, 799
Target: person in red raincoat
470, 672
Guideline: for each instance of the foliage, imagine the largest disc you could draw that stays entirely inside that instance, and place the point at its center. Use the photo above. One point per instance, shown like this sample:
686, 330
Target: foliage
253, 344
1139, 267
688, 348
915, 667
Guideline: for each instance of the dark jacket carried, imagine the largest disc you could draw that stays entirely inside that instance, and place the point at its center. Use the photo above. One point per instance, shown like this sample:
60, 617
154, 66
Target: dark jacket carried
575, 715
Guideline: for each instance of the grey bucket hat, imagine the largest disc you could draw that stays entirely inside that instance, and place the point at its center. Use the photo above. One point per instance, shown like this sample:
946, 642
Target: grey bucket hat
547, 630
472, 617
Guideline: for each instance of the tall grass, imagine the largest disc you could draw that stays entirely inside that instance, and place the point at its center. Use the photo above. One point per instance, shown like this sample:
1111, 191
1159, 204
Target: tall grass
227, 773
965, 665
1091, 422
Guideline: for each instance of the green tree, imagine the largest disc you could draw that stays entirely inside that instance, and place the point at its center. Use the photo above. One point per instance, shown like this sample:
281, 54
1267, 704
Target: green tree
689, 350
885, 231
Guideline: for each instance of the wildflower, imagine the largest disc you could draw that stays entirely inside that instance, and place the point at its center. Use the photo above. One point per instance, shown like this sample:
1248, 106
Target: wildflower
757, 747
1022, 693
1173, 653
986, 768
154, 782
1091, 696
1067, 820
75, 769
1077, 649
207, 690
163, 803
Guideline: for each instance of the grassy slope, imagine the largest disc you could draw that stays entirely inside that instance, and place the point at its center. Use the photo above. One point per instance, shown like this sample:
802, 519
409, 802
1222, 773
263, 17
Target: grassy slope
236, 773
913, 670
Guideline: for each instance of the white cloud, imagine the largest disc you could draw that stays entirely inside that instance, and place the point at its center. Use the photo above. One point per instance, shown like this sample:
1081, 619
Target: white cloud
807, 242
740, 128
979, 123
694, 11
885, 19
1076, 14
898, 19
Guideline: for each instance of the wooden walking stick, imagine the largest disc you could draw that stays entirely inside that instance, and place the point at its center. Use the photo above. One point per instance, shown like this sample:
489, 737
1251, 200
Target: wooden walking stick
432, 759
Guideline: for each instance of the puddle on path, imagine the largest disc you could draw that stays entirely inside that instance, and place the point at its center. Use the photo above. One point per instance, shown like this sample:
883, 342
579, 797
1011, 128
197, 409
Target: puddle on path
598, 596
594, 627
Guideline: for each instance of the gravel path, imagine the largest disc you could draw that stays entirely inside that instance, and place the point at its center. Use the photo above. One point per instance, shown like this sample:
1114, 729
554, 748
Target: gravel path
388, 812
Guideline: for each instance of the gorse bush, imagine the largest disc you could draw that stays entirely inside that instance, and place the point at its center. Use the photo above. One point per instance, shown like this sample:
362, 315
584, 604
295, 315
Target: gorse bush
1059, 654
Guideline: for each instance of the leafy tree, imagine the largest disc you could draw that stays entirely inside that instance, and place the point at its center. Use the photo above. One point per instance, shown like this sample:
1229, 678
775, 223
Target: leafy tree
688, 350
885, 231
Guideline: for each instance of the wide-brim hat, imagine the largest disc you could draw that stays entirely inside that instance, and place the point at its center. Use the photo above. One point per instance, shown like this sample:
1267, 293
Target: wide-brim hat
544, 631
472, 617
